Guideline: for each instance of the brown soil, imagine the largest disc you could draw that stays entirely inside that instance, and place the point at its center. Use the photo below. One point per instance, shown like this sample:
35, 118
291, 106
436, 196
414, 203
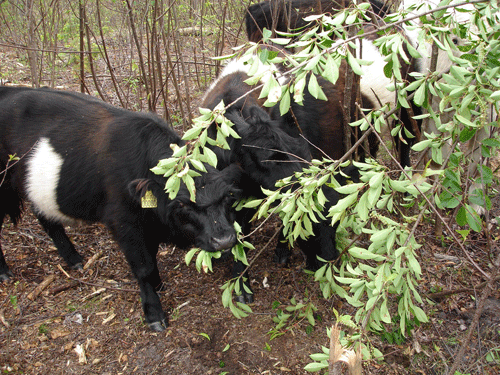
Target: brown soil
98, 313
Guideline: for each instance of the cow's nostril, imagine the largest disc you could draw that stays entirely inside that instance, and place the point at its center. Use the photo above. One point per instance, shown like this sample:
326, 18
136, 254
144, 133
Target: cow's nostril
223, 242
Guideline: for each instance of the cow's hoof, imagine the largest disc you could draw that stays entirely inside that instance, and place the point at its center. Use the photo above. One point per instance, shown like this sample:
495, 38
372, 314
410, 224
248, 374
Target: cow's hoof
159, 326
281, 260
240, 298
4, 277
78, 267
244, 298
249, 298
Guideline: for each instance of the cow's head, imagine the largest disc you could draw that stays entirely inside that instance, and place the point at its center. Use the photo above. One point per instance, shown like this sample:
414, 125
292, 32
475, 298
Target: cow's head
265, 152
206, 223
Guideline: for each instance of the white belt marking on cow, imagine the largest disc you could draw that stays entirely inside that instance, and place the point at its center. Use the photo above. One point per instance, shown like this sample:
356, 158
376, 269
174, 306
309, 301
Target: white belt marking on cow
373, 82
43, 174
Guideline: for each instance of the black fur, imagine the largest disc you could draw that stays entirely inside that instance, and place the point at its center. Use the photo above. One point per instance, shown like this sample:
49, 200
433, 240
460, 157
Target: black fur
107, 155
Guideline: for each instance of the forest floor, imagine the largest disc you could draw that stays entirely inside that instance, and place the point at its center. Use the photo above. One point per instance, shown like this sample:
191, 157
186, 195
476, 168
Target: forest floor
91, 321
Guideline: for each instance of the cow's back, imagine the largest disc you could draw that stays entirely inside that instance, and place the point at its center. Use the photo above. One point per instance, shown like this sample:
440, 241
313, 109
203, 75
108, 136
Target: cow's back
96, 149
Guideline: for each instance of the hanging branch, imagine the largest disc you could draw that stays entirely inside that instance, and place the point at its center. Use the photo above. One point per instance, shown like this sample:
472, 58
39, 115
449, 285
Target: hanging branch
91, 59
170, 66
106, 56
32, 55
139, 53
349, 84
82, 48
157, 45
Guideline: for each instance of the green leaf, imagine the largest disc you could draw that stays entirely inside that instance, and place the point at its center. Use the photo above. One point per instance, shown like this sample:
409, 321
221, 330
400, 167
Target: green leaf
356, 68
350, 188
495, 96
318, 357
315, 367
331, 70
473, 219
226, 297
190, 254
376, 180
361, 253
388, 69
192, 133
313, 62
362, 207
203, 334
285, 102
189, 181
266, 34
467, 133
198, 165
419, 97
422, 145
211, 157
461, 217
420, 314
315, 89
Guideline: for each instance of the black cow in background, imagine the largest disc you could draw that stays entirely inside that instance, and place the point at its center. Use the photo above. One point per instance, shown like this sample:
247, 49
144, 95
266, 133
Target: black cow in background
289, 15
82, 159
286, 15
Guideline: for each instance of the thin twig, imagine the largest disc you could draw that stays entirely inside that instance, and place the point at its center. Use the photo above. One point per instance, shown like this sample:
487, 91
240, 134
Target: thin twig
482, 299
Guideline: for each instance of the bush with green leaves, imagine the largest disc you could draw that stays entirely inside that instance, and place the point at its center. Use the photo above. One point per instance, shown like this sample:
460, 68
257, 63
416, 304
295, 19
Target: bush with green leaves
378, 272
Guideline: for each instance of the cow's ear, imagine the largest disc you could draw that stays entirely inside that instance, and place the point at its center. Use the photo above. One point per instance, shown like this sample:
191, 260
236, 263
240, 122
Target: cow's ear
232, 174
146, 192
258, 115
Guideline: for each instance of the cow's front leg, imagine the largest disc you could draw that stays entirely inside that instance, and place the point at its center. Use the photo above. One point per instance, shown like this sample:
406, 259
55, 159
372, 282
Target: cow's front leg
239, 270
141, 256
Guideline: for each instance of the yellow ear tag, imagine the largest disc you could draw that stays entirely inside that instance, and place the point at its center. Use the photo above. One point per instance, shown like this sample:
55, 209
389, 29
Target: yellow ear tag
149, 200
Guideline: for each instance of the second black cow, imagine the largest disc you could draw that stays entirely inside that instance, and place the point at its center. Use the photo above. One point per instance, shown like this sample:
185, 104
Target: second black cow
270, 150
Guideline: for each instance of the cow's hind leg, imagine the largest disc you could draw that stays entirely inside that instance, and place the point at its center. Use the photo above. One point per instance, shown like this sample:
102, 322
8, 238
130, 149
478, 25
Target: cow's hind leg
62, 242
5, 273
10, 205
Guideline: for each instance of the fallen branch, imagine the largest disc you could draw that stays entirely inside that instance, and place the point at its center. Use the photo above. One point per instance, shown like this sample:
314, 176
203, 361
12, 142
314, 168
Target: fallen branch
41, 287
2, 319
94, 284
62, 288
93, 294
92, 260
445, 293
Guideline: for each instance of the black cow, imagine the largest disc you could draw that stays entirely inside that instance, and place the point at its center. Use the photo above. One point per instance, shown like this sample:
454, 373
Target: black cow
267, 152
82, 159
289, 15
286, 15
